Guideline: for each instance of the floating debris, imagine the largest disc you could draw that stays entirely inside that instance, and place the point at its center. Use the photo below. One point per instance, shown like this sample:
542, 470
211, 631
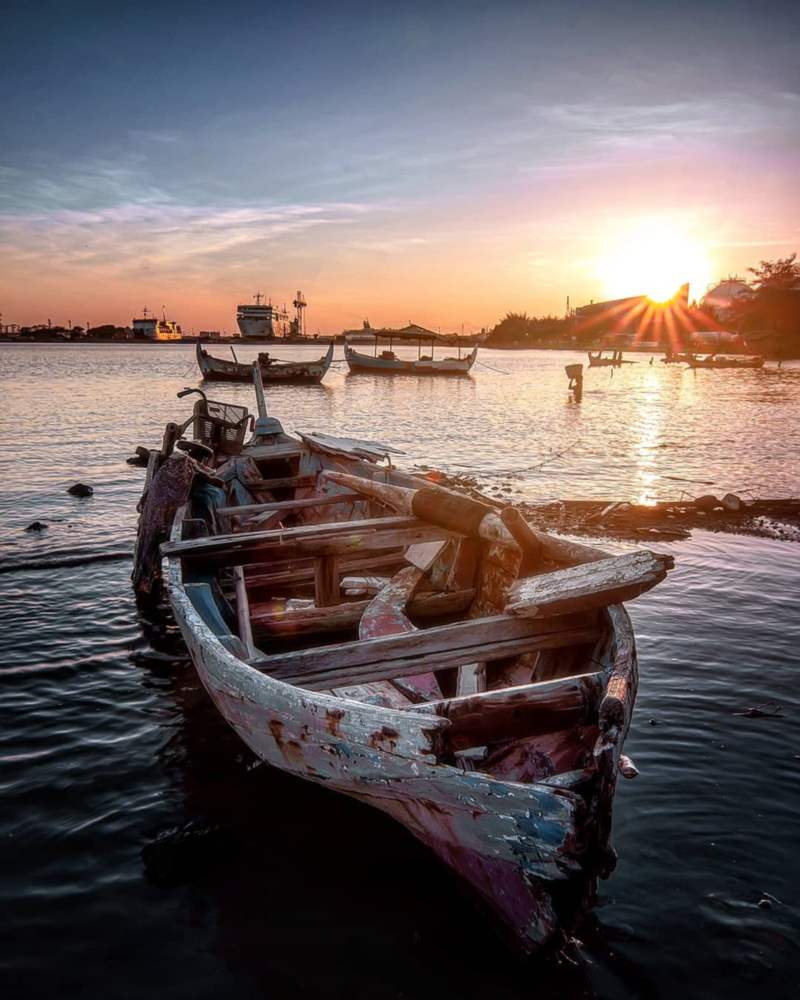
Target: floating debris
37, 526
141, 458
769, 710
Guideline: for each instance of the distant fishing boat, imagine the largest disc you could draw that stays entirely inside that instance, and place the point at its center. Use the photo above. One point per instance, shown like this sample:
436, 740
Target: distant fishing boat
478, 689
272, 370
616, 360
722, 361
676, 359
387, 362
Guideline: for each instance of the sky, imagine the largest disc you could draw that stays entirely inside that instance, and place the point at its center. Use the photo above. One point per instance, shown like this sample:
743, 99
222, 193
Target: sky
441, 163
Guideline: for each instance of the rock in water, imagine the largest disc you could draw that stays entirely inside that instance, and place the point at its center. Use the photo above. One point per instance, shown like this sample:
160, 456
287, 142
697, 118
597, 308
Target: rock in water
731, 502
80, 490
707, 503
37, 526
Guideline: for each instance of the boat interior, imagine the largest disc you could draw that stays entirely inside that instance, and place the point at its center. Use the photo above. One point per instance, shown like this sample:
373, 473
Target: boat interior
321, 585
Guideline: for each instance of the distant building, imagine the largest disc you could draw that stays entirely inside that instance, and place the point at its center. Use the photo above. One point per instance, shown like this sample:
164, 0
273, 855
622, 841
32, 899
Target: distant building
722, 298
150, 328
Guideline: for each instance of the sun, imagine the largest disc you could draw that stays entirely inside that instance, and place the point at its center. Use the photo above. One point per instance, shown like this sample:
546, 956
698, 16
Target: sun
653, 257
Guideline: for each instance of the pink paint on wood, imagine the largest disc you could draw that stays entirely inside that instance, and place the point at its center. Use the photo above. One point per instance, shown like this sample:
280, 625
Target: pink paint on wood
385, 616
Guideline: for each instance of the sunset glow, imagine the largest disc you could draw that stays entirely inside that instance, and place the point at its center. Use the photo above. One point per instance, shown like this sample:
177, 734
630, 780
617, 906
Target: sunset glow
654, 257
429, 167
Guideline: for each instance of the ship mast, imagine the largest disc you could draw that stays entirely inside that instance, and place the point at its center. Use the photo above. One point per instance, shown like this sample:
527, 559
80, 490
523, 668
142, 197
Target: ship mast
299, 322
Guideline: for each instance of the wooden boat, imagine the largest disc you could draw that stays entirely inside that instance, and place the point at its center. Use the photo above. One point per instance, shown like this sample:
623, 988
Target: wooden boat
723, 361
409, 647
599, 360
387, 362
676, 359
273, 371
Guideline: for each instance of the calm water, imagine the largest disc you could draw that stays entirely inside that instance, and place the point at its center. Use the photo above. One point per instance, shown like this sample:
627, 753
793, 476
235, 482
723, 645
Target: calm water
106, 739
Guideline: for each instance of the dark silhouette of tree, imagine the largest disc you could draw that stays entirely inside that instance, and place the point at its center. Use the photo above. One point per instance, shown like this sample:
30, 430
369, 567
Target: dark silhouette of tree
521, 330
769, 317
781, 273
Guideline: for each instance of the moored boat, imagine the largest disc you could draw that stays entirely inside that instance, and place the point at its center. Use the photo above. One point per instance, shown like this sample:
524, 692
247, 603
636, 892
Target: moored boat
477, 677
615, 360
726, 361
272, 370
388, 363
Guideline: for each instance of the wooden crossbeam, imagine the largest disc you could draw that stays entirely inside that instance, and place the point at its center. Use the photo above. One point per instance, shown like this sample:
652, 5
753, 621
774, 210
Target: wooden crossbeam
276, 621
591, 585
478, 640
310, 539
346, 544
516, 712
298, 576
259, 485
289, 505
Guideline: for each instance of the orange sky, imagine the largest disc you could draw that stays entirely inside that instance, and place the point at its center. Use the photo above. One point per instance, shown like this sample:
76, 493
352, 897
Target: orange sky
437, 163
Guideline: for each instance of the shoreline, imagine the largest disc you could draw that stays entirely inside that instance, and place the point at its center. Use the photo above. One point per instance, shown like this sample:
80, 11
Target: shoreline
337, 339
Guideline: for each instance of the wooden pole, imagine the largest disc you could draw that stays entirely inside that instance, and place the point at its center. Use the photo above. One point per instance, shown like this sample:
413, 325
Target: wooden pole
259, 386
243, 612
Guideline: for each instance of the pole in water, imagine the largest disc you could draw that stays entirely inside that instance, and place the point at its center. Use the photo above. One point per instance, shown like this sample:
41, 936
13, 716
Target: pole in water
575, 376
259, 387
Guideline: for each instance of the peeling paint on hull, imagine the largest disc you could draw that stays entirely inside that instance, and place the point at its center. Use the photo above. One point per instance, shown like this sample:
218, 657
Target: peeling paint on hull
514, 843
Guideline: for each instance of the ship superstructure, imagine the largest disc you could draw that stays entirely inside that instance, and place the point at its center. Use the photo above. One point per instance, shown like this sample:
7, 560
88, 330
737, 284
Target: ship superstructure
264, 321
261, 321
153, 328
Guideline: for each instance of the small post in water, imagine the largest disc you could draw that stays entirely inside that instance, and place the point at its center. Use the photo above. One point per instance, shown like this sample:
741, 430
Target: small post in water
575, 376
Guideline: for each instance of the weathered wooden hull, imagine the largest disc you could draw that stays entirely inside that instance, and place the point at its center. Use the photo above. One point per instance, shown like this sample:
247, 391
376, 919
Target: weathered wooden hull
367, 363
521, 846
278, 373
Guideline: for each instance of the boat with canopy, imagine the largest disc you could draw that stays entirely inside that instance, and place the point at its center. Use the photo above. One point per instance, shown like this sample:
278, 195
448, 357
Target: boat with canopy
386, 362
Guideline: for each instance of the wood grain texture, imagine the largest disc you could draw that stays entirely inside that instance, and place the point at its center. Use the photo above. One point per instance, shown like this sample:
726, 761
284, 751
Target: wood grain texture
591, 585
518, 712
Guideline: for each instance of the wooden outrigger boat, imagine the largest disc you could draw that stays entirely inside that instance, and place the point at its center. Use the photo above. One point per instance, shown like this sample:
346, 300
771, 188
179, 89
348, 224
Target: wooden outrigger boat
599, 360
477, 676
726, 361
273, 371
387, 362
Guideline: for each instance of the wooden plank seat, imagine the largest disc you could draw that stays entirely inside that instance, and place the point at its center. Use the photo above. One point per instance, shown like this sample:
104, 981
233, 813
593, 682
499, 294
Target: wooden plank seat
262, 485
477, 640
315, 540
322, 500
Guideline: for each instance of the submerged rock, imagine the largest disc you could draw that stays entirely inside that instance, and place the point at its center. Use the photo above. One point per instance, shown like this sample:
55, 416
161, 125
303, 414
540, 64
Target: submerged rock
37, 526
80, 490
